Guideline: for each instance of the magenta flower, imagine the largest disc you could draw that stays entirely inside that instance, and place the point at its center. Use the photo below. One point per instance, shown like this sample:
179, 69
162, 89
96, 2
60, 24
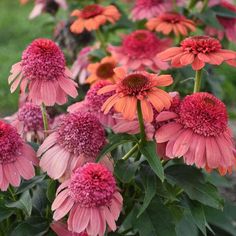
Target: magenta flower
42, 69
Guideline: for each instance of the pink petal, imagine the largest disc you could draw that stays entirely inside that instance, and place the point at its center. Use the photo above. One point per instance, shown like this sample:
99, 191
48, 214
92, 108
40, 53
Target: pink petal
11, 174
166, 115
64, 209
60, 198
25, 168
80, 220
48, 142
200, 152
69, 86
48, 93
197, 64
110, 219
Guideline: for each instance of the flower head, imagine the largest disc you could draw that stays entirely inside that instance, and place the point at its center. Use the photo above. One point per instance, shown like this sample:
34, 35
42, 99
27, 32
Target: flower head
139, 51
197, 51
200, 133
138, 86
171, 22
16, 157
146, 9
93, 16
43, 70
89, 196
102, 70
78, 138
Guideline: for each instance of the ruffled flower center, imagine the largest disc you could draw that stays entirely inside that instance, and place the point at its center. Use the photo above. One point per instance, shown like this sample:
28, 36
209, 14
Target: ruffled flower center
91, 11
43, 60
204, 114
92, 185
10, 143
105, 70
81, 133
200, 44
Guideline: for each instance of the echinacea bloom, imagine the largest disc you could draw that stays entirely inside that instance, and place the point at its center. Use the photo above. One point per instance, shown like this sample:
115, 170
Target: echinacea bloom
93, 103
79, 67
50, 6
42, 69
17, 159
91, 198
61, 229
199, 133
78, 139
197, 51
29, 122
139, 50
102, 70
146, 9
138, 86
171, 22
93, 16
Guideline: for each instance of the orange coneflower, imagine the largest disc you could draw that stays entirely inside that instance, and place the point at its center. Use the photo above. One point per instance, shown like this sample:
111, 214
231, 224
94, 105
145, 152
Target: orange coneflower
93, 16
169, 22
102, 70
137, 86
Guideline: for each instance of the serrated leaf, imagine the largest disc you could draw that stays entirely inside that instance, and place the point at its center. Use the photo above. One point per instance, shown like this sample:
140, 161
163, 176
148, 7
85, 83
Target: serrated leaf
194, 184
149, 183
149, 152
28, 184
24, 203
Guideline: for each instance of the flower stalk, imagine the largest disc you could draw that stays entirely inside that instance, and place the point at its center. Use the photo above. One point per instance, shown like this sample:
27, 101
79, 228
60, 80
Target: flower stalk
141, 123
45, 120
197, 83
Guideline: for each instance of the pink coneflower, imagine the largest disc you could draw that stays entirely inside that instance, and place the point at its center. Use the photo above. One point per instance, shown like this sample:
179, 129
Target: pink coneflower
199, 133
79, 68
50, 6
138, 86
197, 51
17, 159
78, 139
139, 51
93, 103
62, 230
43, 70
171, 22
91, 198
146, 9
29, 122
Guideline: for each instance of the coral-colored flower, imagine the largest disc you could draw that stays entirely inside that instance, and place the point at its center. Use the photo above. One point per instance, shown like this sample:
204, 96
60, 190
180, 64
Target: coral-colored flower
171, 22
50, 6
17, 159
62, 230
199, 133
93, 103
29, 122
78, 139
102, 70
138, 86
93, 16
79, 68
139, 51
42, 69
91, 198
146, 9
197, 51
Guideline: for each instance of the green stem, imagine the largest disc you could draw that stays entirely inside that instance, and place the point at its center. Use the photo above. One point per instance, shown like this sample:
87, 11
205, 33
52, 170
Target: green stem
101, 39
192, 3
130, 152
141, 123
197, 83
205, 4
45, 119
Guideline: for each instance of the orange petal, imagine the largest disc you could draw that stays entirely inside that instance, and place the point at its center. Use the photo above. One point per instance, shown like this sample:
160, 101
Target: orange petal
147, 110
109, 103
106, 89
120, 72
164, 80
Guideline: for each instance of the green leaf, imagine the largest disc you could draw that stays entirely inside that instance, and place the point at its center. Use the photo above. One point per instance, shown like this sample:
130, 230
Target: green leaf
28, 184
221, 11
149, 151
5, 213
51, 190
194, 184
24, 203
210, 21
186, 227
114, 142
149, 183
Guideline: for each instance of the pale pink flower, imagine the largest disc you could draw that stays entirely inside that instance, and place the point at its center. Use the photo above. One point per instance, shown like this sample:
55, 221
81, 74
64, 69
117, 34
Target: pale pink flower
50, 6
78, 139
91, 198
199, 133
146, 9
139, 50
93, 103
17, 159
42, 69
